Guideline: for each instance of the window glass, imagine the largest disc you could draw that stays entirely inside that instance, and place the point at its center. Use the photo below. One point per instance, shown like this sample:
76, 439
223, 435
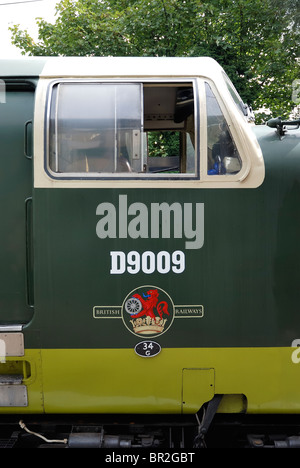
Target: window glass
106, 128
237, 99
95, 128
223, 156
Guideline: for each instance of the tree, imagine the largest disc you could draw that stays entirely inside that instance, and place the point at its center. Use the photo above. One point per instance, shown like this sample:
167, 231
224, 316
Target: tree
256, 41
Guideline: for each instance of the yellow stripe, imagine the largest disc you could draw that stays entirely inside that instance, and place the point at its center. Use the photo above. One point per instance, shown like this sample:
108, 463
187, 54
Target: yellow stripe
259, 380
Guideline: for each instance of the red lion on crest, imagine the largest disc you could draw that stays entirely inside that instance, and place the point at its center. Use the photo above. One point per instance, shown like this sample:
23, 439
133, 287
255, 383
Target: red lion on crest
150, 303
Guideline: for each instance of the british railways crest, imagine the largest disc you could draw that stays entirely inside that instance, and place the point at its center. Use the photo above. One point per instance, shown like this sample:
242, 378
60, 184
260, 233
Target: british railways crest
148, 311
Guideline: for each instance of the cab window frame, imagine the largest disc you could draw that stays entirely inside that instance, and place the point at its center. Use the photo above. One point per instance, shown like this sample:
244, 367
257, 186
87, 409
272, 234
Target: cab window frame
230, 118
164, 82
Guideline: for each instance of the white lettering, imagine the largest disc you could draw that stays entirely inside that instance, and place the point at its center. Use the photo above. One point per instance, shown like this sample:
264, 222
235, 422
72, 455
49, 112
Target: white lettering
133, 260
296, 352
116, 458
167, 457
106, 227
161, 220
163, 262
178, 260
165, 210
122, 216
138, 226
190, 233
148, 262
118, 263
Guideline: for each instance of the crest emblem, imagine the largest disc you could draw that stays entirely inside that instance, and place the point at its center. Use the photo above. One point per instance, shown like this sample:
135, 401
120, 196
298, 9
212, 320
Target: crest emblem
148, 311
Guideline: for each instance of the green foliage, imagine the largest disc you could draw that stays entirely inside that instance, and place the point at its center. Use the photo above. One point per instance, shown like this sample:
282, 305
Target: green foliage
163, 144
256, 41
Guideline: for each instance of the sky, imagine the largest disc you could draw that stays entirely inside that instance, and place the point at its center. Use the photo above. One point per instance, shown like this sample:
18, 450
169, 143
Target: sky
22, 12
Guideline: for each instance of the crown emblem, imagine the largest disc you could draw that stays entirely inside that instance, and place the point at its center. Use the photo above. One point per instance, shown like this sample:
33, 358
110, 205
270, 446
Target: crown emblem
149, 311
148, 325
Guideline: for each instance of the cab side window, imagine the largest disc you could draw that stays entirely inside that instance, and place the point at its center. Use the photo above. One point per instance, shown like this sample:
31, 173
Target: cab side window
95, 128
122, 129
222, 155
169, 128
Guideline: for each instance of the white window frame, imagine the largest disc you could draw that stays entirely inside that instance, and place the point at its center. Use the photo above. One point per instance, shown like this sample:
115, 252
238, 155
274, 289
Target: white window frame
252, 173
123, 176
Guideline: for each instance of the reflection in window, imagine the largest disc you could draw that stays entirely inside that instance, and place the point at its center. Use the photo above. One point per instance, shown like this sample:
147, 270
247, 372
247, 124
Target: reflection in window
223, 157
113, 128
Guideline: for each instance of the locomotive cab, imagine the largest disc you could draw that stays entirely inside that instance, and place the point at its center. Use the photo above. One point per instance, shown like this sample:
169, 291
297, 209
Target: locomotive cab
149, 224
126, 126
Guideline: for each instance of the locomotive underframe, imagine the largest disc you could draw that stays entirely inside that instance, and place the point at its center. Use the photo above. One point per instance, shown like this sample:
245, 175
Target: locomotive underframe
131, 433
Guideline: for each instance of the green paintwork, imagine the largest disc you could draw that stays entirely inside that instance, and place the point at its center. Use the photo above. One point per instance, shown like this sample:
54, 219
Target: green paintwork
16, 188
245, 276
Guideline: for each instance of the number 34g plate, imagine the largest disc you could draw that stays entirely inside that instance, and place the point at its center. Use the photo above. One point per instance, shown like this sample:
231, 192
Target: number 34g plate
147, 348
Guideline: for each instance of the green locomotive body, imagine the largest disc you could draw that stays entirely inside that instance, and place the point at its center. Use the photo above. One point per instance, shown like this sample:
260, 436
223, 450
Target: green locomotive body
148, 239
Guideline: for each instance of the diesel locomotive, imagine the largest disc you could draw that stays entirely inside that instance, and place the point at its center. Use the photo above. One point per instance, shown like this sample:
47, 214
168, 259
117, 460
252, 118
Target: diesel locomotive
149, 255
